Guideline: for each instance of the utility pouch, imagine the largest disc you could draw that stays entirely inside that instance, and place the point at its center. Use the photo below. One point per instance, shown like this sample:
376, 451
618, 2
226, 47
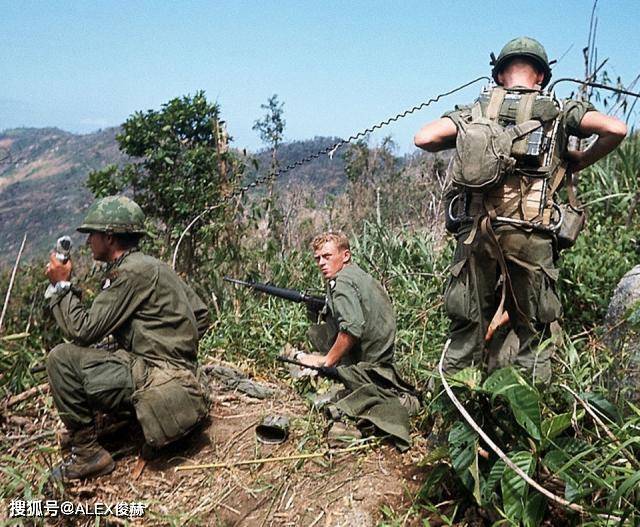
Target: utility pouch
573, 221
169, 405
573, 217
483, 156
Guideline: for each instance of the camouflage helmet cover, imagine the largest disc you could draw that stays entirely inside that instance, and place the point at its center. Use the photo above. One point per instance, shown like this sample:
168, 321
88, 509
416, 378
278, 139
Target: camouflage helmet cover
114, 214
523, 47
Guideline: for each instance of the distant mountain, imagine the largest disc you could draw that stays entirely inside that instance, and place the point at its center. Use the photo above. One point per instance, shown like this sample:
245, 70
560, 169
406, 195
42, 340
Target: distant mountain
42, 190
324, 173
42, 181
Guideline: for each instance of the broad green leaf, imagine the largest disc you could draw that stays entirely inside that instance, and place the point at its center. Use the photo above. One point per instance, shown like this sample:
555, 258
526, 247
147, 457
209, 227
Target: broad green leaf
534, 509
433, 456
553, 426
470, 377
463, 451
462, 446
523, 399
514, 488
497, 470
600, 403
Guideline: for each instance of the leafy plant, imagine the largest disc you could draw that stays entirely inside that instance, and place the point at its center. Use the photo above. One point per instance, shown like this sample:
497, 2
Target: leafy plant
563, 451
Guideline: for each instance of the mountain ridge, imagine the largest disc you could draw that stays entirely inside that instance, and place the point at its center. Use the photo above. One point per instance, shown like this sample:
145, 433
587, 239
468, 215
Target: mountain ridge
43, 172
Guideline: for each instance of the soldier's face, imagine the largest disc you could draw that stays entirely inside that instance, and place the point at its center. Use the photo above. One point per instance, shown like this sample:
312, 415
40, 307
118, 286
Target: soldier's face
99, 246
331, 260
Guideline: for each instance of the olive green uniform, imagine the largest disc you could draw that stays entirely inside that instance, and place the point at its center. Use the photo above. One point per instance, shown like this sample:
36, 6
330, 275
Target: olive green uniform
473, 290
358, 305
361, 308
156, 321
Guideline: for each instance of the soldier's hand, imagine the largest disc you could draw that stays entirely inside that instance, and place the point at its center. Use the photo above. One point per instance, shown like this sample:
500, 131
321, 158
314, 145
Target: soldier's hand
311, 359
57, 271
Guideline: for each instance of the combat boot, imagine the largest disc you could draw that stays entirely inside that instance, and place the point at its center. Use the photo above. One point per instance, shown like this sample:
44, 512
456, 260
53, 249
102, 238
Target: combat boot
87, 460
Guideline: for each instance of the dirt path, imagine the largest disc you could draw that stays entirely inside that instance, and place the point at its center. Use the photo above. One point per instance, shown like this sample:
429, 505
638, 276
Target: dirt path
343, 490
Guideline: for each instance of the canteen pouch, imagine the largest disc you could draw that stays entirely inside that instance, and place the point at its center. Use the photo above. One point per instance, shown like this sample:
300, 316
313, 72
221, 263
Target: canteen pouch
169, 405
573, 221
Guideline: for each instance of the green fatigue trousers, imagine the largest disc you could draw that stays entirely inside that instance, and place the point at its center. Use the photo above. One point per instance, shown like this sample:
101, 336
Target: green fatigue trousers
473, 294
84, 380
169, 401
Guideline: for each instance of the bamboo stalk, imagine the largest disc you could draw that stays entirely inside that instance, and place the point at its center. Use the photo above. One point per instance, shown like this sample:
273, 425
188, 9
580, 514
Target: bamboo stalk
275, 459
13, 276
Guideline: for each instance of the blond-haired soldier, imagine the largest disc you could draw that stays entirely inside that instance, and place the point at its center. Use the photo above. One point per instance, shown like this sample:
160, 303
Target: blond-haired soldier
357, 337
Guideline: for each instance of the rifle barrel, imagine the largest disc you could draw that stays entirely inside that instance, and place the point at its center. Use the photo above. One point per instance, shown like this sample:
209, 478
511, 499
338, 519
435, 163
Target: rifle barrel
314, 302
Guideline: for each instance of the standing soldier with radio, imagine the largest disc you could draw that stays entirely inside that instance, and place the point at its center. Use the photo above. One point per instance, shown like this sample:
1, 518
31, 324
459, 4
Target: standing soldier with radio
511, 157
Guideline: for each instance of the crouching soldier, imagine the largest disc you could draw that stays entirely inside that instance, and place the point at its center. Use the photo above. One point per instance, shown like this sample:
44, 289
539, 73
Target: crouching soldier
156, 321
357, 338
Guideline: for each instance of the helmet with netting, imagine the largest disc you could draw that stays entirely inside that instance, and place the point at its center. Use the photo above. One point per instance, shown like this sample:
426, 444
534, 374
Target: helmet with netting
114, 214
523, 47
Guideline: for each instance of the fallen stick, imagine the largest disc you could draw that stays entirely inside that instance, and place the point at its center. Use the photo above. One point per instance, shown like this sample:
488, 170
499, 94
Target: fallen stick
29, 440
41, 388
13, 276
15, 336
275, 459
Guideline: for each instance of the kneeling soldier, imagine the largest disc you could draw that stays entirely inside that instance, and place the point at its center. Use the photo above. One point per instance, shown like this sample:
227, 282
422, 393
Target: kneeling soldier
357, 336
156, 321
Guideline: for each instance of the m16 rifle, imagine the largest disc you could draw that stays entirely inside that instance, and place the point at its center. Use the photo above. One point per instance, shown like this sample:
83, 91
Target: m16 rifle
314, 303
323, 371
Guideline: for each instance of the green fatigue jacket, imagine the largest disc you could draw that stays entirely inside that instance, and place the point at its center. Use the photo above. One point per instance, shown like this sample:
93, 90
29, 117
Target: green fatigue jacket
362, 308
472, 293
359, 305
157, 320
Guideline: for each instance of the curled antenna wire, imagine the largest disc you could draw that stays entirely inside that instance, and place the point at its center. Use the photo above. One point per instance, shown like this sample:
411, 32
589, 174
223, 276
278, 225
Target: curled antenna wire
330, 151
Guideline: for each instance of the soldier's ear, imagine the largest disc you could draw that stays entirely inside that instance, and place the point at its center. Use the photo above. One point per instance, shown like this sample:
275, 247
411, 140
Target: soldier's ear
347, 256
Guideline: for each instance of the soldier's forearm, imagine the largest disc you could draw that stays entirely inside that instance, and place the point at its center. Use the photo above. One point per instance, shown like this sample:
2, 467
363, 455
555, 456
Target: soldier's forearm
344, 342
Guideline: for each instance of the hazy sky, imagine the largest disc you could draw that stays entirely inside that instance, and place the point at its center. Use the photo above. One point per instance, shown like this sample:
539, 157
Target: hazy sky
338, 66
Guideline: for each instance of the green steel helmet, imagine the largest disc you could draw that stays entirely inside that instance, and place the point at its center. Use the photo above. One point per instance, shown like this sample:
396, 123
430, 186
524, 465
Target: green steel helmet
114, 214
523, 47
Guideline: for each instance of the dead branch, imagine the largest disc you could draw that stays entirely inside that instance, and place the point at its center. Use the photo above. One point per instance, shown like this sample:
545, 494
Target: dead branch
13, 276
36, 390
324, 453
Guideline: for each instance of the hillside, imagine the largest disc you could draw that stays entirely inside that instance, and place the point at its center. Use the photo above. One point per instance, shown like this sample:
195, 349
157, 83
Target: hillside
42, 181
42, 191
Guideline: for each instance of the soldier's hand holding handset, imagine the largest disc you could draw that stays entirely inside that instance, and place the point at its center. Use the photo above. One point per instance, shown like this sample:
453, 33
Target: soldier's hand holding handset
59, 268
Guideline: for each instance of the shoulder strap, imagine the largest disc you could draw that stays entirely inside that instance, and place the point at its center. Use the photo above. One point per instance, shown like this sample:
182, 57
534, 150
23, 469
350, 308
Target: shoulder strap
522, 129
525, 107
495, 103
476, 111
